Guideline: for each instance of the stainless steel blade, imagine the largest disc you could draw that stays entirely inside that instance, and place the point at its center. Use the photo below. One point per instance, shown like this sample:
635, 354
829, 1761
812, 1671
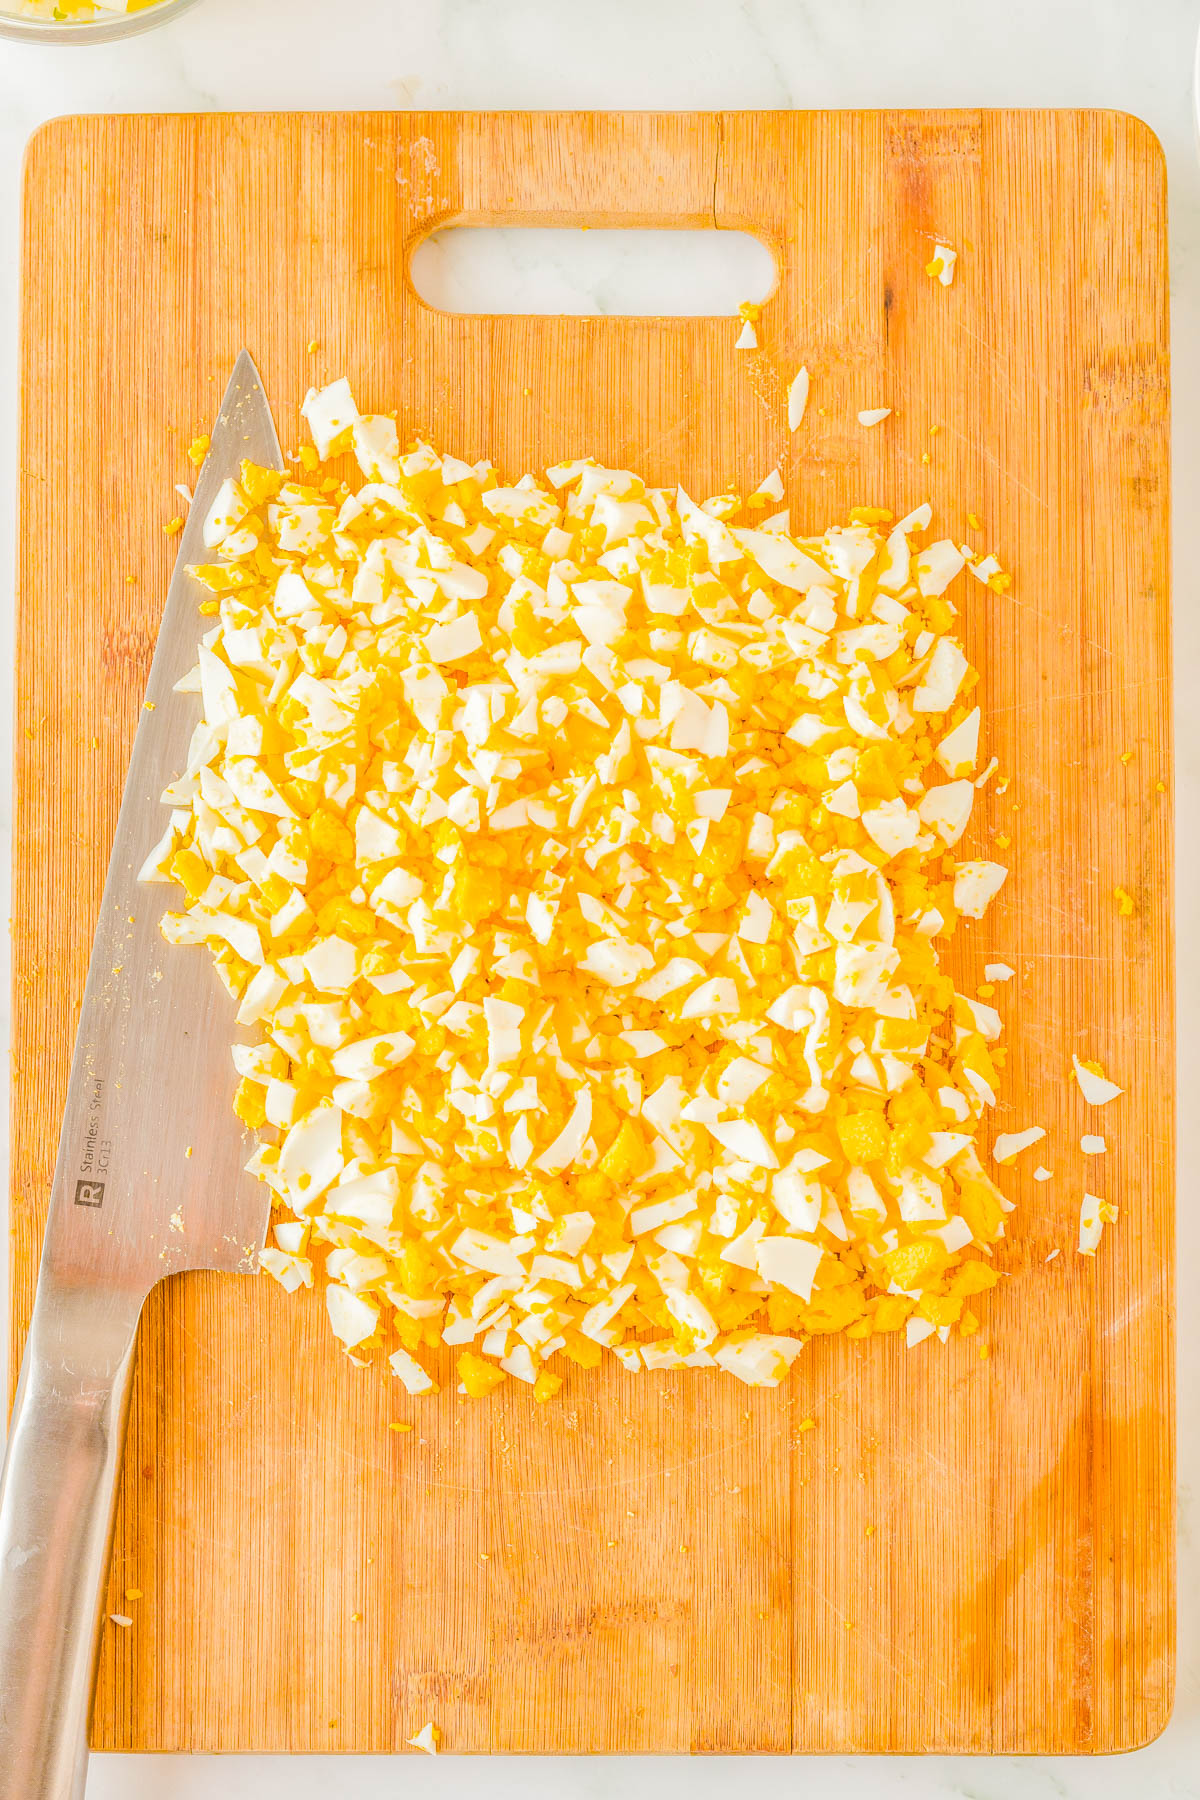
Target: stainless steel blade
150, 1173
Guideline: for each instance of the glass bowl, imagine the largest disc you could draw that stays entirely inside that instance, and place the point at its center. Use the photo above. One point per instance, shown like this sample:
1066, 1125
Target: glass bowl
102, 30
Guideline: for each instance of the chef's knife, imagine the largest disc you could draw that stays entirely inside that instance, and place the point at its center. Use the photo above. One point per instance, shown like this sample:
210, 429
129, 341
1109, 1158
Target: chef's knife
149, 1180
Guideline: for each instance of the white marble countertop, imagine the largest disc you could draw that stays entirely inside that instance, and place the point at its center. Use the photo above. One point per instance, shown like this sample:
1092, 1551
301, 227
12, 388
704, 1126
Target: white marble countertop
681, 53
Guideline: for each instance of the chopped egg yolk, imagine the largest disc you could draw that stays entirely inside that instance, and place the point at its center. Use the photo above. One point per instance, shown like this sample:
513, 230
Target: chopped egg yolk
581, 863
73, 12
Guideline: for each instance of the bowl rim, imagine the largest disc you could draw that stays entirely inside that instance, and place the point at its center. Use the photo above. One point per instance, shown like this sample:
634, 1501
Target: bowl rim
89, 31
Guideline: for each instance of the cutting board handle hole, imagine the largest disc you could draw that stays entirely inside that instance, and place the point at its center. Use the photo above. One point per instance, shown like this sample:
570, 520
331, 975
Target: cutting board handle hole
585, 273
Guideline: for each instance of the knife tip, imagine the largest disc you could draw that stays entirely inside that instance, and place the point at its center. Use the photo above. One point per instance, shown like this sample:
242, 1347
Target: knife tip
245, 365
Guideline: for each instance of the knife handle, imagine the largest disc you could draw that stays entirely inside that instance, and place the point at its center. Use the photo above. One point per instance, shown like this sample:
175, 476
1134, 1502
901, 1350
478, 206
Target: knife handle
57, 1501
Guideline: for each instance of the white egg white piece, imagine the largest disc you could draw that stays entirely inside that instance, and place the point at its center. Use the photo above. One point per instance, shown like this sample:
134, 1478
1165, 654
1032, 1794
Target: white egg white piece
426, 1739
1096, 1089
1009, 1144
797, 399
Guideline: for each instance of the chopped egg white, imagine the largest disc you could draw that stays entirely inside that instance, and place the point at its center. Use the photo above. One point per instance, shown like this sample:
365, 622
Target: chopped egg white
1010, 1143
1094, 1215
1095, 1087
941, 265
874, 415
582, 862
797, 399
67, 13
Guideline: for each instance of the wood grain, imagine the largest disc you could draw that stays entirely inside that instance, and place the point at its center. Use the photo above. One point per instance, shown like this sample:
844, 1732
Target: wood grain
965, 1554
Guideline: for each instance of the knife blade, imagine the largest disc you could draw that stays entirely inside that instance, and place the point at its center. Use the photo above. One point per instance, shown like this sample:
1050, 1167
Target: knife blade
149, 1180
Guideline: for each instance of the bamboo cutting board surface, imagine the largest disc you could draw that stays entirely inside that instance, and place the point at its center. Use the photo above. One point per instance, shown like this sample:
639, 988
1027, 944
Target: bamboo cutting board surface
965, 1554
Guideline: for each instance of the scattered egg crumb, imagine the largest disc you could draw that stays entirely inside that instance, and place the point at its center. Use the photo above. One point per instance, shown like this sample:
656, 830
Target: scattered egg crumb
121, 1619
1124, 902
197, 450
998, 971
173, 527
428, 1738
797, 399
1094, 1215
1010, 1144
1094, 1085
581, 863
941, 265
1055, 1252
1092, 1145
874, 415
1042, 1173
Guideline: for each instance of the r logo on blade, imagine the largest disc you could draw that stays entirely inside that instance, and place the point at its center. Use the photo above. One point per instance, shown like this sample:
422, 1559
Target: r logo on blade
89, 1193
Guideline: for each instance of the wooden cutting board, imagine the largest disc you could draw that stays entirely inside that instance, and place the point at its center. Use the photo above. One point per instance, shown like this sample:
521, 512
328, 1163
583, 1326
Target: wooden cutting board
965, 1554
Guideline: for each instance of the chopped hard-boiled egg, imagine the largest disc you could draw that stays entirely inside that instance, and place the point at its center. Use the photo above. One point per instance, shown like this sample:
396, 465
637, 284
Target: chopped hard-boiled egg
797, 399
1010, 1143
1094, 1215
581, 862
73, 12
941, 264
1094, 1085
